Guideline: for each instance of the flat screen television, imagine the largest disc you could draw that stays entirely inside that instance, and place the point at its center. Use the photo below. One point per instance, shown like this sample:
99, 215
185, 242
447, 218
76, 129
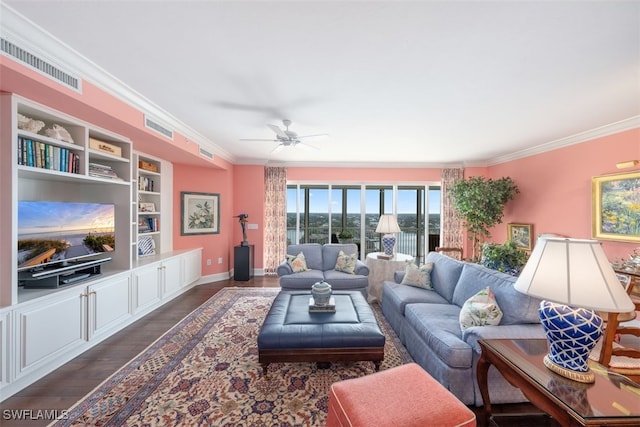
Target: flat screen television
54, 233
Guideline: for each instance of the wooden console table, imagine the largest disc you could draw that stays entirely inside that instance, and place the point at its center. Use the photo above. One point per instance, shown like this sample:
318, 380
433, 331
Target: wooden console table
611, 400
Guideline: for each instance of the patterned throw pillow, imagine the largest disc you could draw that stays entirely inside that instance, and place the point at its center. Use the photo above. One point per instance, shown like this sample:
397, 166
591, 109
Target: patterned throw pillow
479, 310
420, 277
346, 263
298, 262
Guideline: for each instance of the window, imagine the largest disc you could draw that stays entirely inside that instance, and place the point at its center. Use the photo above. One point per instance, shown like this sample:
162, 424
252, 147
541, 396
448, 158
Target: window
317, 214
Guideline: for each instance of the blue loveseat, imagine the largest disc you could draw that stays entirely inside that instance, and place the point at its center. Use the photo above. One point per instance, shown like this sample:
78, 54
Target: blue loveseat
321, 261
428, 324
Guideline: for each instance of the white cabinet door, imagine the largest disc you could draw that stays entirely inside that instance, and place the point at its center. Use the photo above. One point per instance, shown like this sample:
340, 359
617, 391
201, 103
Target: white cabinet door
5, 337
171, 275
50, 328
109, 304
146, 287
192, 266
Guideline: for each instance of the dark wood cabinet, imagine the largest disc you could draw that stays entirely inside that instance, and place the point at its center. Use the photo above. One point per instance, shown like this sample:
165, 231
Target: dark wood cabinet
243, 263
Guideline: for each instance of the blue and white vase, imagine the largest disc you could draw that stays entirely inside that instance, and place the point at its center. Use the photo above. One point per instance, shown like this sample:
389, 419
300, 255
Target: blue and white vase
572, 334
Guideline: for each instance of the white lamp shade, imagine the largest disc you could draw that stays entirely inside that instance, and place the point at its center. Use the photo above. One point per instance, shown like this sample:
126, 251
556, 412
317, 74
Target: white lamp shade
387, 224
575, 272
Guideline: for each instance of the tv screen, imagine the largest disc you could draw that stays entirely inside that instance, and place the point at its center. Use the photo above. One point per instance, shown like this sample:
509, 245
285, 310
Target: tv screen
51, 232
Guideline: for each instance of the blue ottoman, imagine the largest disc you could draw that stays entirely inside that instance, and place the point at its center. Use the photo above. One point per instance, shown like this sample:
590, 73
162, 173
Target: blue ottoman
291, 334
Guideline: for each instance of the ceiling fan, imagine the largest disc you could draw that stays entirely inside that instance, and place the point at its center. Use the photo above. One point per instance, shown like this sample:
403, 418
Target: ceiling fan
287, 138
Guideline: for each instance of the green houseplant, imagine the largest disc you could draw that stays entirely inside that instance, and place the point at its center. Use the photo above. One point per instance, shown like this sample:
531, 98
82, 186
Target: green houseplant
480, 203
507, 257
345, 236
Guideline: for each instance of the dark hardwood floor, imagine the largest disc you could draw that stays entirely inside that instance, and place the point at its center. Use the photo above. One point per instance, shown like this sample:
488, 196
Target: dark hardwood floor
71, 382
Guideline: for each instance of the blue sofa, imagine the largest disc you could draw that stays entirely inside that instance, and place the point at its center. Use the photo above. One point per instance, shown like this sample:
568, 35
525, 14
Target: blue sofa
427, 322
321, 261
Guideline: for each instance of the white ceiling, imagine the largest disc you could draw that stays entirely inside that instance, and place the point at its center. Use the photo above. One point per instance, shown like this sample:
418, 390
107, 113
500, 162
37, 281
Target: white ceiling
391, 82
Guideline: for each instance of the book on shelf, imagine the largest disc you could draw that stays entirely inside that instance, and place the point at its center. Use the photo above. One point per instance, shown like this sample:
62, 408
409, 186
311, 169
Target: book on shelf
102, 171
45, 156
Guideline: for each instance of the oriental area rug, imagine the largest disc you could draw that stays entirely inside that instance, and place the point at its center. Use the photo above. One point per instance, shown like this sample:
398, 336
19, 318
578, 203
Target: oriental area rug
205, 372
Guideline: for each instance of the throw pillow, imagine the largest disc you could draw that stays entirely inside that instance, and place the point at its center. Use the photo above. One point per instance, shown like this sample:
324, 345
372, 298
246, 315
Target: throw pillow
298, 262
479, 310
420, 277
346, 263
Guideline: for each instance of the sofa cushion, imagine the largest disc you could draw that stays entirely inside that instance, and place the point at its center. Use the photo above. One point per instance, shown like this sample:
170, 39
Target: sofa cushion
297, 262
302, 280
445, 274
400, 295
330, 252
419, 277
516, 307
312, 254
340, 280
439, 327
346, 263
479, 310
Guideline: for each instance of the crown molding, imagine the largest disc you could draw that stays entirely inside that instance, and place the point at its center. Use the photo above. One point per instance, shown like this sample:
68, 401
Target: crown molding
30, 36
599, 132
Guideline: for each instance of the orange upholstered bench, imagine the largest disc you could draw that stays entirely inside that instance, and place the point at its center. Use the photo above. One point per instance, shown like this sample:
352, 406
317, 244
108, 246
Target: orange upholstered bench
404, 396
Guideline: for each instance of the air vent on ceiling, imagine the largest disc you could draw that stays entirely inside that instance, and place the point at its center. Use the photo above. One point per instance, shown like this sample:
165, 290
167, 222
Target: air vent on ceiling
155, 126
39, 64
205, 153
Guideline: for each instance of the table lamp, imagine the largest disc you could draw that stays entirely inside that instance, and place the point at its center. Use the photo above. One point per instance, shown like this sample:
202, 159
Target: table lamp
387, 224
574, 279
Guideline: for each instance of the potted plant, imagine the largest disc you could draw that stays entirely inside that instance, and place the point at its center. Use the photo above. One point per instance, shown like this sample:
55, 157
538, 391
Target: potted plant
508, 257
345, 236
480, 203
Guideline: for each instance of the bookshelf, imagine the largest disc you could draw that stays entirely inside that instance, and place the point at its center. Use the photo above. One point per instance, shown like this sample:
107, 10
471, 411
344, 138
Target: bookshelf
147, 204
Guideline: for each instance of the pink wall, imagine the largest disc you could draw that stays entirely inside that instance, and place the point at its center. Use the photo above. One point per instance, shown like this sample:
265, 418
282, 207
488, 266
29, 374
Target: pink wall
349, 175
555, 187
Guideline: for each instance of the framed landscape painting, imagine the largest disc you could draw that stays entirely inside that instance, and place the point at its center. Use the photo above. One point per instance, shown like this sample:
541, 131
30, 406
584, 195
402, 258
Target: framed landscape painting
616, 207
521, 235
200, 213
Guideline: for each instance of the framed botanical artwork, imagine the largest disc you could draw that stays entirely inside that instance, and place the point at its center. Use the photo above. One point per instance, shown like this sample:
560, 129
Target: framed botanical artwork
616, 207
200, 213
521, 235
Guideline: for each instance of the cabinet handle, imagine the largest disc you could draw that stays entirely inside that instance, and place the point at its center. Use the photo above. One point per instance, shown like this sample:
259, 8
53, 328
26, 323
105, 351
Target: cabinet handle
93, 292
84, 295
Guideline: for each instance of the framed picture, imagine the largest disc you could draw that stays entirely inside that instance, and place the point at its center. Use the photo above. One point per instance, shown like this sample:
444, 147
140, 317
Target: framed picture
616, 207
147, 207
521, 235
200, 213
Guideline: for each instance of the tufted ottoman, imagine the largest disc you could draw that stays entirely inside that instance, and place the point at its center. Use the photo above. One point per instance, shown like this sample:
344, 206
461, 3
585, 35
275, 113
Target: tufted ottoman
291, 334
404, 396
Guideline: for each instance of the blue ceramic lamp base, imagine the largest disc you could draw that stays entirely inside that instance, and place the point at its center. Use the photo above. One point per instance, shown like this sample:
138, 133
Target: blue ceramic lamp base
572, 334
388, 243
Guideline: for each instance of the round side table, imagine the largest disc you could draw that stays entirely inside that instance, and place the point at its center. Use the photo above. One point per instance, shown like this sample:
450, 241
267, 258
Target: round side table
381, 270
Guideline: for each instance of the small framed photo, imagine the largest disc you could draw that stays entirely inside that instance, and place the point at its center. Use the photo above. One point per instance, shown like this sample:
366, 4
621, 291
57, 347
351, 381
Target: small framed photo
147, 207
521, 235
200, 213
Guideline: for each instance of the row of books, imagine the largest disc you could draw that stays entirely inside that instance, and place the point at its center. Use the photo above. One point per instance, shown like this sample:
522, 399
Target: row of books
145, 184
148, 225
103, 171
45, 156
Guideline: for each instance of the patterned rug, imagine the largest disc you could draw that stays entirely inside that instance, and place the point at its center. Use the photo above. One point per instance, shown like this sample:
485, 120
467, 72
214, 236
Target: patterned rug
205, 371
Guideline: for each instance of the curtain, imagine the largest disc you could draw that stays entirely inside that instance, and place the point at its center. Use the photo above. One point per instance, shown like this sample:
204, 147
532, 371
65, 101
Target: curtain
275, 230
452, 228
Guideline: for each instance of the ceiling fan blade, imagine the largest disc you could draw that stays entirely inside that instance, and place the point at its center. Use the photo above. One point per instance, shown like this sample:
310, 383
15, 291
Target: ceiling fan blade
306, 146
278, 131
277, 148
311, 136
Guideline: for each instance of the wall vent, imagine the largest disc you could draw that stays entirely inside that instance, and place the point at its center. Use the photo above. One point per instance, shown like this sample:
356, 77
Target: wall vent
205, 153
157, 127
44, 66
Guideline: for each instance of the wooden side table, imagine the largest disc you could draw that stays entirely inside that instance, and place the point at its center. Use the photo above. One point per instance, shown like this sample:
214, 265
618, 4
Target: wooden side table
611, 400
381, 270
